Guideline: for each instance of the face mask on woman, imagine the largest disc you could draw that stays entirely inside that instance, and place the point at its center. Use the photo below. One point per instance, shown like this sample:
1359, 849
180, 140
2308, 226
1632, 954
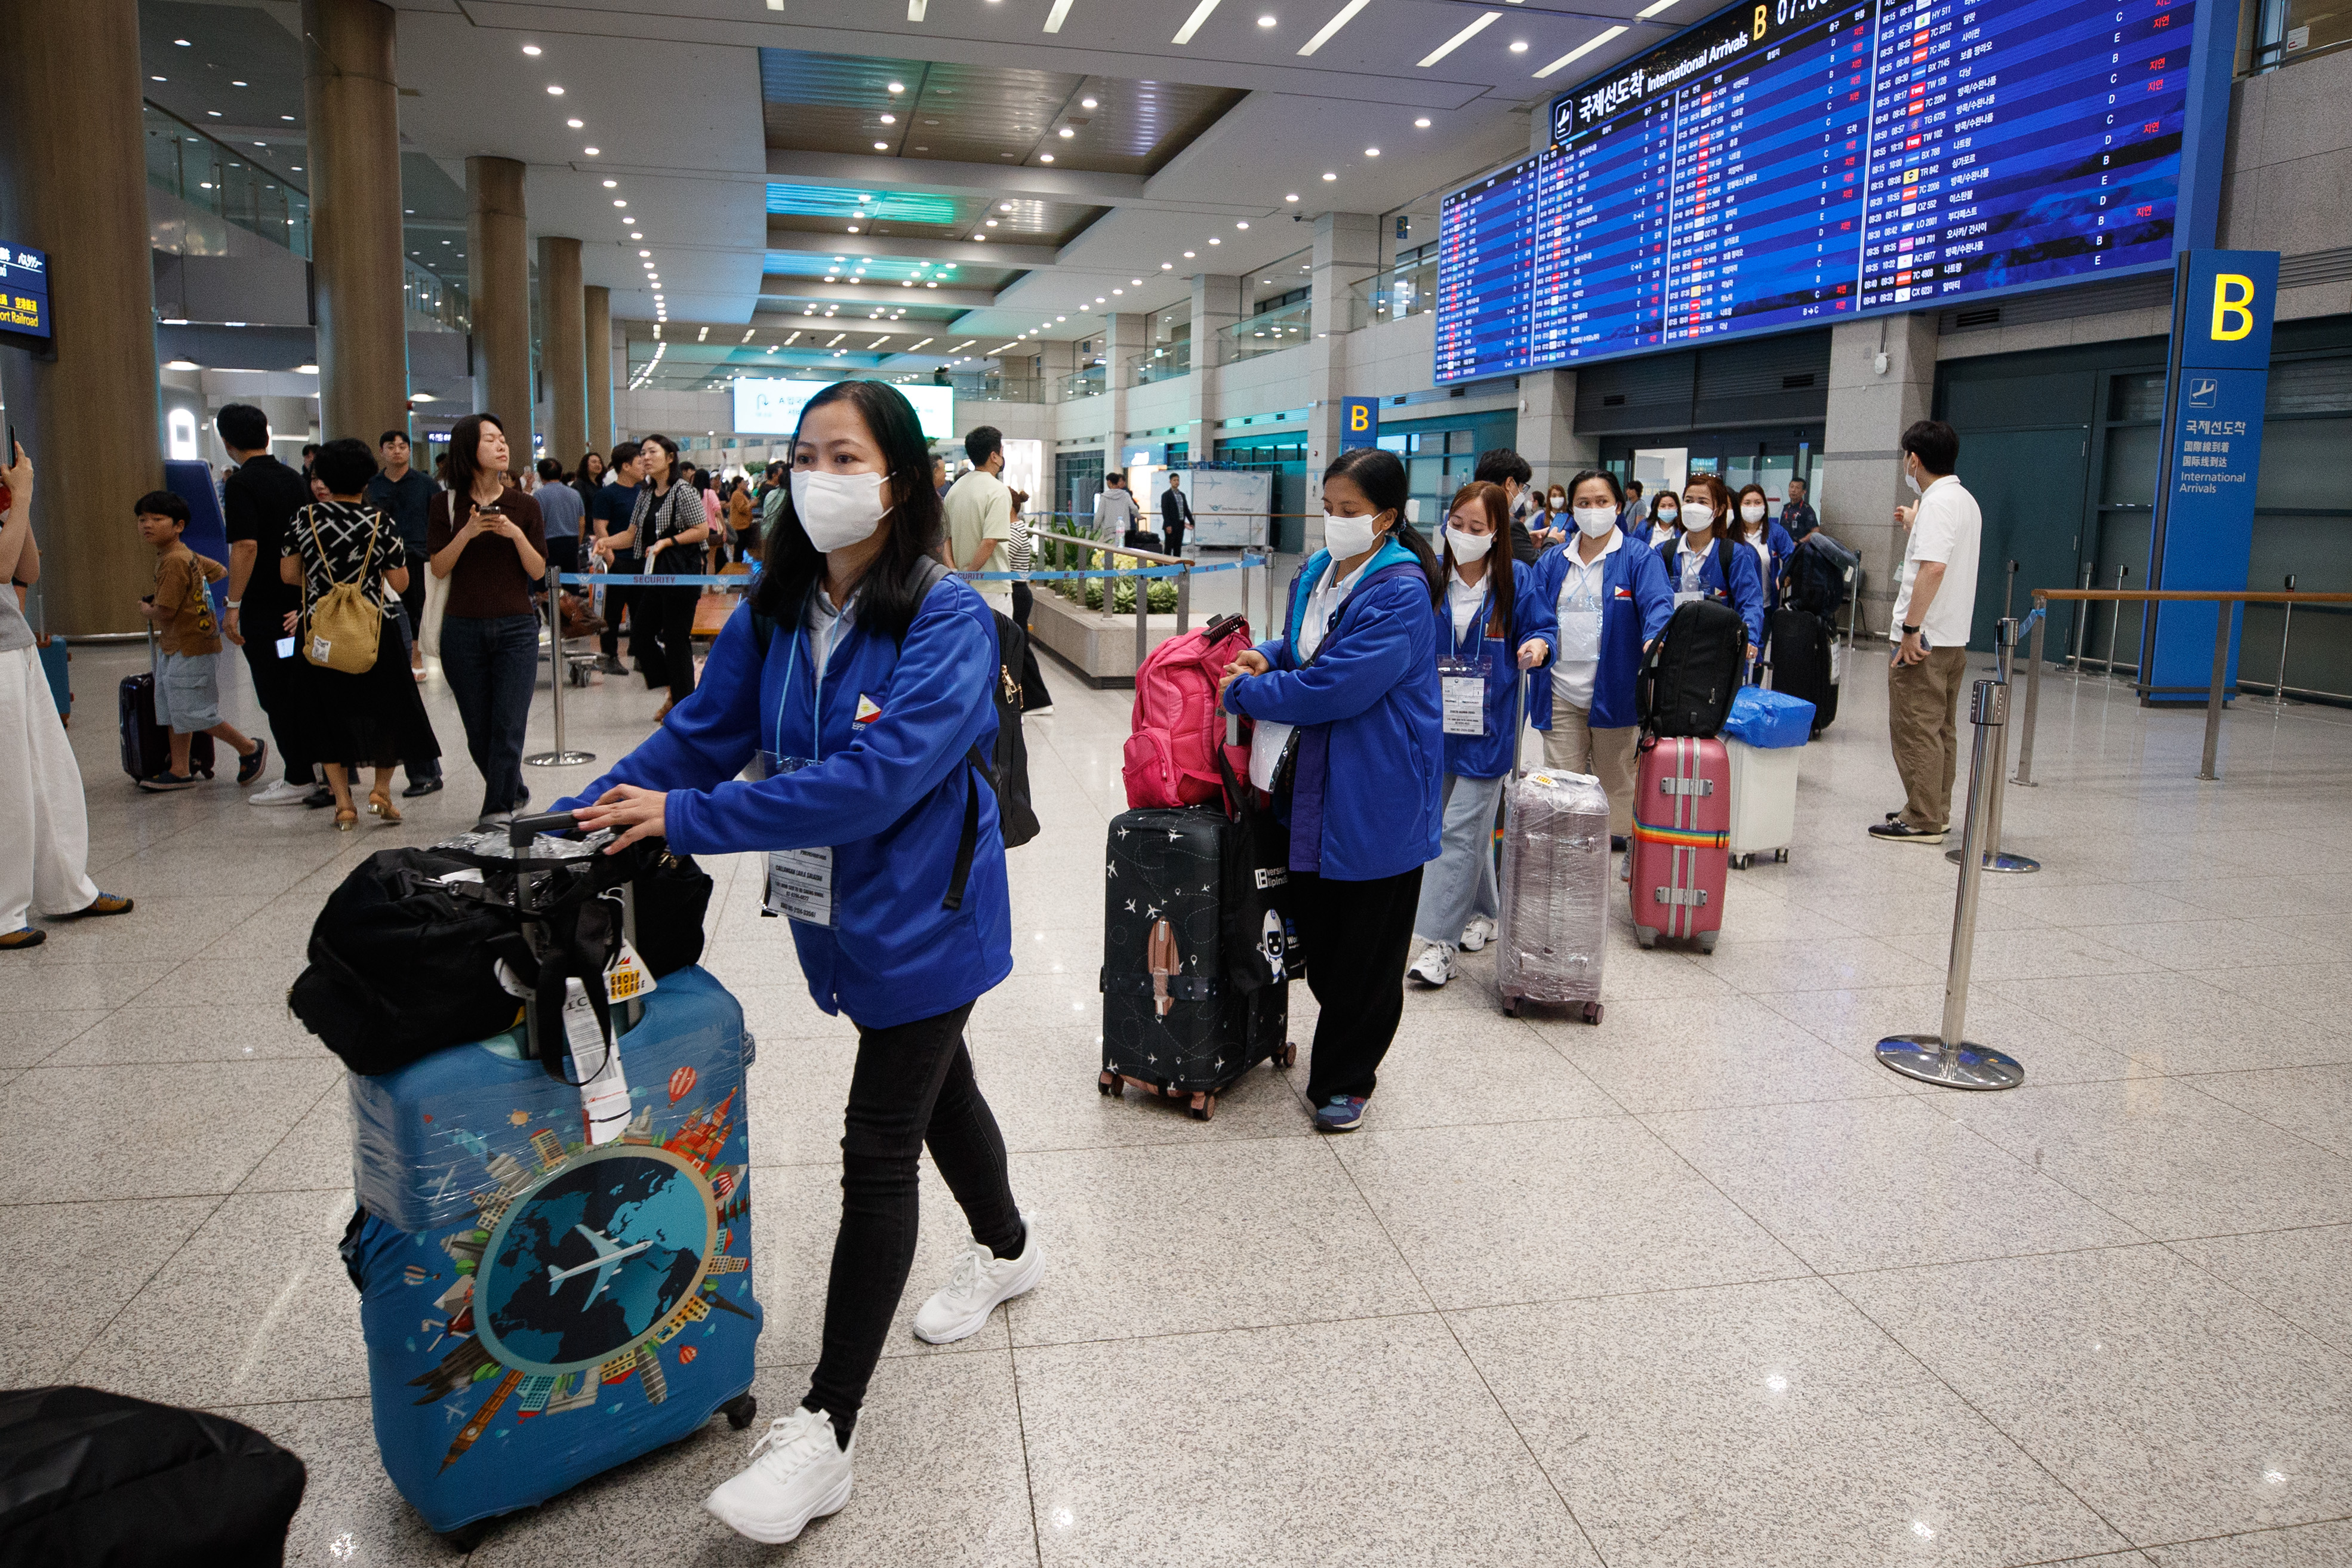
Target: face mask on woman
1558, 502
1751, 512
1666, 516
1465, 546
1697, 516
1593, 522
1346, 538
837, 510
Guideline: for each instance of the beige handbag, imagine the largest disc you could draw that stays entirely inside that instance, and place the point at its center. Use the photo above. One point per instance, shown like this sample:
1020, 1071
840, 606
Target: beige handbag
343, 626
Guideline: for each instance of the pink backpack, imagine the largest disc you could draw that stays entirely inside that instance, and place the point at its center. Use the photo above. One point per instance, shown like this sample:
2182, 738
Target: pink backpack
1171, 758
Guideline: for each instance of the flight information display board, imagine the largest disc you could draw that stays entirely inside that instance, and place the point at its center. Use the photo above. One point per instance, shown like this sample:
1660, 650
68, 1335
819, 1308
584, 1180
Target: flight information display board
24, 290
1786, 163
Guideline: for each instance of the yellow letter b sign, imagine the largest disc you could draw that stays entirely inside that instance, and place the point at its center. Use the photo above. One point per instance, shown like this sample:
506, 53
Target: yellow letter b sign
2234, 294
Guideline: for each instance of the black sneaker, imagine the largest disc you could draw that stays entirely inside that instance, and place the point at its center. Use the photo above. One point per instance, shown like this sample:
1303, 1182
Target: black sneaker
163, 781
249, 766
1617, 843
420, 786
1904, 833
319, 798
1896, 816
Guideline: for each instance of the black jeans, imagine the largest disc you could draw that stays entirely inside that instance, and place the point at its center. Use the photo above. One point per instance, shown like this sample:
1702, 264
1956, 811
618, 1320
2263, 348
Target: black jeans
492, 666
1034, 694
667, 656
1357, 935
912, 1087
278, 692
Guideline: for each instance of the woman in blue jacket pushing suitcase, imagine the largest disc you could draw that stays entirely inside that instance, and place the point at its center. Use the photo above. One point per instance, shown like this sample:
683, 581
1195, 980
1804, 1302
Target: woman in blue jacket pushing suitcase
856, 684
1694, 568
1609, 599
1490, 628
1355, 672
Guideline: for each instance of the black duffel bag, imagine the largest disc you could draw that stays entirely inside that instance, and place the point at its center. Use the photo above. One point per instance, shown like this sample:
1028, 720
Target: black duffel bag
88, 1477
1692, 672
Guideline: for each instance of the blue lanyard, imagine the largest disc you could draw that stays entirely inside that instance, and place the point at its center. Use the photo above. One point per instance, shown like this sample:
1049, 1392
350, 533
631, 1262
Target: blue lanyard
791, 667
1454, 638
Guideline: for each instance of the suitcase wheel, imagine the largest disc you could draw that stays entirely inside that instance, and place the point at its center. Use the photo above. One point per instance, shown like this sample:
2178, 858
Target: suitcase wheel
1510, 1006
1204, 1107
1645, 936
742, 1410
1707, 941
1779, 857
1111, 1085
1286, 1056
1591, 1013
467, 1537
1741, 863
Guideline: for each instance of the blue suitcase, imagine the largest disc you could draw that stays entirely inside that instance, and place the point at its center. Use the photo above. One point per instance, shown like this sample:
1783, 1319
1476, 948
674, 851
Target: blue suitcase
537, 1311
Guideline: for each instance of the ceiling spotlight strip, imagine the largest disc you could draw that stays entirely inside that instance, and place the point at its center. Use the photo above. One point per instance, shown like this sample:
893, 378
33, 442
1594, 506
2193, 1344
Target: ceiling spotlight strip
1192, 22
877, 343
1346, 15
1053, 18
918, 346
1485, 21
1584, 48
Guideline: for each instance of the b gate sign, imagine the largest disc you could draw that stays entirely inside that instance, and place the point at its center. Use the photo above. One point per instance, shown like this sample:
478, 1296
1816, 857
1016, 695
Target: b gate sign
2216, 377
1359, 421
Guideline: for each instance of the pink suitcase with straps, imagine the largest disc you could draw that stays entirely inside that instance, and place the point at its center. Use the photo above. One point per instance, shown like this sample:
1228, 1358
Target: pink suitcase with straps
1681, 851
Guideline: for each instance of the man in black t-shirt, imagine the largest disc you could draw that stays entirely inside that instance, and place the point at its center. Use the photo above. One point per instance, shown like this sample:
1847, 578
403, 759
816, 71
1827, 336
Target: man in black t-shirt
259, 501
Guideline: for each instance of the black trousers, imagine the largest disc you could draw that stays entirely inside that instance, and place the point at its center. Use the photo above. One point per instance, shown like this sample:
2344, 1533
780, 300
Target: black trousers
1034, 694
664, 641
1357, 936
912, 1088
279, 688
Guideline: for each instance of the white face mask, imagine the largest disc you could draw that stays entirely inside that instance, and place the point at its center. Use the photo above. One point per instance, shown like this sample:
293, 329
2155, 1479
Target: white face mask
837, 510
1560, 503
1593, 522
1910, 478
1465, 546
1346, 538
1697, 516
1751, 512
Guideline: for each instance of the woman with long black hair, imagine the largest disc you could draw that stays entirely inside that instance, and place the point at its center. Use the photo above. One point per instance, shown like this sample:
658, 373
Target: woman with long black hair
485, 537
1354, 674
669, 521
859, 679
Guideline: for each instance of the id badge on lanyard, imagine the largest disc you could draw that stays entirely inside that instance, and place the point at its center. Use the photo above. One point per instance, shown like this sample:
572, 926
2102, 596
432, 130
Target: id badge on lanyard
1462, 684
799, 882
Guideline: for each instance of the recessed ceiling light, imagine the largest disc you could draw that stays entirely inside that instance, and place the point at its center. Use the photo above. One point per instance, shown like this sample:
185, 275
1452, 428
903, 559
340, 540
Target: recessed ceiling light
574, 124
1119, 291
1167, 266
1372, 152
214, 112
610, 183
181, 42
1519, 46
881, 147
1242, 225
1088, 103
620, 204
154, 78
1045, 157
554, 90
1065, 133
852, 228
1004, 206
592, 151
1265, 21
889, 120
1189, 254
1215, 241
1135, 282
1100, 300
992, 222
530, 50
1328, 175
897, 86
1422, 124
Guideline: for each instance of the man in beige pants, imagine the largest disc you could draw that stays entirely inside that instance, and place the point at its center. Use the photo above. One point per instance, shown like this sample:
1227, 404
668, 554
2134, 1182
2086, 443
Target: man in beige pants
1930, 631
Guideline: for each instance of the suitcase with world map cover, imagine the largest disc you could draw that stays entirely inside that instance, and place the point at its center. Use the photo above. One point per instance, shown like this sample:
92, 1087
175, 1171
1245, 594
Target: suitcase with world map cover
538, 1310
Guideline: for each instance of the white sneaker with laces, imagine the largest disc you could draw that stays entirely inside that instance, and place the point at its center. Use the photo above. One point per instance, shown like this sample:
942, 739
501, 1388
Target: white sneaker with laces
280, 794
799, 1472
1434, 967
958, 1309
1477, 934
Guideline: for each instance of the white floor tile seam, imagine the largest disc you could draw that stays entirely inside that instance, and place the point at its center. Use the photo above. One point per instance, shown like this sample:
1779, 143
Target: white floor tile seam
2300, 1331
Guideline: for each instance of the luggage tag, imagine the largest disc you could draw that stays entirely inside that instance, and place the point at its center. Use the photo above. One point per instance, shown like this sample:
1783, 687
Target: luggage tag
1461, 682
799, 882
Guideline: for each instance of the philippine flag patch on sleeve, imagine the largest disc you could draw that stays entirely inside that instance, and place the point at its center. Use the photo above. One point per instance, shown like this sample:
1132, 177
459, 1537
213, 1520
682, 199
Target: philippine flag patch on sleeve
867, 712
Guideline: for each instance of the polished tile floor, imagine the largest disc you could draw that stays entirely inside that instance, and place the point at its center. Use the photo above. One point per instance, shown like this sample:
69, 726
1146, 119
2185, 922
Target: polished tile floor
1703, 1286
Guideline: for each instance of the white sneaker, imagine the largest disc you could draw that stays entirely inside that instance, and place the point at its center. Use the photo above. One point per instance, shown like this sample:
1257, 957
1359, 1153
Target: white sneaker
1434, 967
981, 1281
1477, 934
799, 1472
280, 794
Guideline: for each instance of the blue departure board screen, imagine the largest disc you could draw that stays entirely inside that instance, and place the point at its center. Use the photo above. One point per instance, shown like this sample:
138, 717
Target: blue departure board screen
24, 290
1785, 164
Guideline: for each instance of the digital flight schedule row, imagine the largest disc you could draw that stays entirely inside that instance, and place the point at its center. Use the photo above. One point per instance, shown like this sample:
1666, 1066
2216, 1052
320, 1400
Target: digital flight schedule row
1868, 157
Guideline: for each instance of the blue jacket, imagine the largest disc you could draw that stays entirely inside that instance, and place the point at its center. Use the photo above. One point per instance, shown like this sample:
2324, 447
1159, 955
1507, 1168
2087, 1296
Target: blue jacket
888, 794
1636, 603
1365, 794
1777, 542
1747, 590
1489, 755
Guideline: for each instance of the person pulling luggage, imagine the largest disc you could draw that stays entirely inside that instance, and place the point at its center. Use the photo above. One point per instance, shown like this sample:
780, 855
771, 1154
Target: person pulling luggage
1609, 600
1491, 626
859, 678
1355, 672
1697, 568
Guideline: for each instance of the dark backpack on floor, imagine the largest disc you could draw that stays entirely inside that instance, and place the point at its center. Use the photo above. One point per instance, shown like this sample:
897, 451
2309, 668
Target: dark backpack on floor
1817, 569
89, 1477
1692, 672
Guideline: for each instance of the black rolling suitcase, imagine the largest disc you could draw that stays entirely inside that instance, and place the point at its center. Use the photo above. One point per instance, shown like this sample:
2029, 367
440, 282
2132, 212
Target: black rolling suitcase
146, 745
1803, 664
1198, 952
1143, 538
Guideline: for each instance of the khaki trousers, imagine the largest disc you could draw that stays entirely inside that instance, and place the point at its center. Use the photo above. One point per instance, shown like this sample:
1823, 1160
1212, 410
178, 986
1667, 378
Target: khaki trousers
1610, 755
1922, 703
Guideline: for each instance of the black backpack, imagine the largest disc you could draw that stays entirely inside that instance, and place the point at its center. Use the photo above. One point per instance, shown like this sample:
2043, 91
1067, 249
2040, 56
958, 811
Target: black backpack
1687, 683
1816, 571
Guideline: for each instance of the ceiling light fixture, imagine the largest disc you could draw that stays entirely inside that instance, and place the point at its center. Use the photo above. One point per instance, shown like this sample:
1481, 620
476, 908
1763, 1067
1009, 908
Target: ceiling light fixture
852, 228
574, 124
1586, 48
897, 86
1213, 240
1189, 254
1054, 17
1345, 14
611, 184
620, 204
1486, 20
554, 90
1167, 266
1265, 21
1065, 133
889, 120
1422, 124
531, 49
1045, 157
1242, 225
1088, 103
1192, 22
592, 151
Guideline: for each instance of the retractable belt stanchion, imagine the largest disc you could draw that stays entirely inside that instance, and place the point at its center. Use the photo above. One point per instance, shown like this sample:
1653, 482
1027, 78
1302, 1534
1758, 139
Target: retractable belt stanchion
2039, 620
1950, 1057
1994, 857
559, 757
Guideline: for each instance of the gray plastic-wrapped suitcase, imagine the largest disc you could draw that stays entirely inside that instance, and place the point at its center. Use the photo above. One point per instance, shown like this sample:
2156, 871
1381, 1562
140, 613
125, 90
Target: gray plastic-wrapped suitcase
1555, 926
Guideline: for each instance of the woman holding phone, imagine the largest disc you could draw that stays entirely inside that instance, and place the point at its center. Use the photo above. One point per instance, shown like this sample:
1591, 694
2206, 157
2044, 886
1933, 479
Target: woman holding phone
669, 520
485, 537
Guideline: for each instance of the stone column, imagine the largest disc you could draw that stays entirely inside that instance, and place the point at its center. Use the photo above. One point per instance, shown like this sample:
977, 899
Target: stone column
1057, 358
352, 100
563, 347
1858, 481
73, 182
1216, 305
498, 277
597, 312
1346, 250
1548, 437
1125, 335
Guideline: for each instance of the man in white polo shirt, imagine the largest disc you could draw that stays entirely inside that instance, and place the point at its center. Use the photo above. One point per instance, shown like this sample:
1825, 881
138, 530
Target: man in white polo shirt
1930, 632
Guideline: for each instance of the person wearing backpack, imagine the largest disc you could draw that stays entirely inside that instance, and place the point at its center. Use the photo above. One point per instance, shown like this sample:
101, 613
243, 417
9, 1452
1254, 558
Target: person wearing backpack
860, 683
1492, 625
1610, 602
1351, 682
1705, 564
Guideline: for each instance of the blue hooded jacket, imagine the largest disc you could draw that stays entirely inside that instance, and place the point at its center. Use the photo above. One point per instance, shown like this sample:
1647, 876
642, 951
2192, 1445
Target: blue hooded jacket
1365, 796
888, 793
1746, 593
1489, 755
1780, 545
1636, 602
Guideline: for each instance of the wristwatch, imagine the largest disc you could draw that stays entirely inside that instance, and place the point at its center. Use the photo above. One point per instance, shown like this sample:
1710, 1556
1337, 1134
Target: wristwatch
1910, 631
236, 604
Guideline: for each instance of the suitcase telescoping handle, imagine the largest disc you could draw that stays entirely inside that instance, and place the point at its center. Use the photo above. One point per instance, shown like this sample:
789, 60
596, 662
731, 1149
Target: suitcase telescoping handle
522, 829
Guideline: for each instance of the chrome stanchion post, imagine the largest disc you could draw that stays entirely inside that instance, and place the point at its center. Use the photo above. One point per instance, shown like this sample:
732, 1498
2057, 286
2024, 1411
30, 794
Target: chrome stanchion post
1183, 598
2286, 624
1142, 611
1993, 857
2081, 627
1948, 1058
2032, 691
559, 757
2115, 624
2213, 696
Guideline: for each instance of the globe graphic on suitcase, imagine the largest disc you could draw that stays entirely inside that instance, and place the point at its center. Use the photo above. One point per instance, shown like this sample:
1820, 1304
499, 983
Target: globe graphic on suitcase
588, 1264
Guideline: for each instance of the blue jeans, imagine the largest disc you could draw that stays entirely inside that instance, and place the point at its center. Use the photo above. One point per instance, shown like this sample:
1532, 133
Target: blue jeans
492, 666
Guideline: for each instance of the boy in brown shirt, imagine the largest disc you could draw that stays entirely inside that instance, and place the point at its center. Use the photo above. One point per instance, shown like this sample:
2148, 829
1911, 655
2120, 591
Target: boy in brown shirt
187, 686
